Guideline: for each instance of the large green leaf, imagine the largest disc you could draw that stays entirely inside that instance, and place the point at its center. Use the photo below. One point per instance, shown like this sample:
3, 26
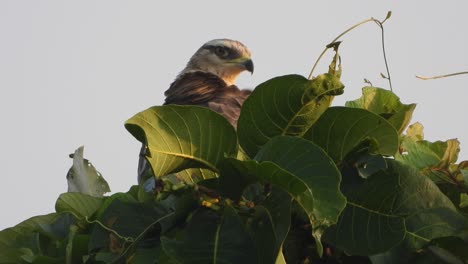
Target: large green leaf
300, 168
286, 105
79, 204
182, 137
387, 104
390, 206
212, 238
342, 130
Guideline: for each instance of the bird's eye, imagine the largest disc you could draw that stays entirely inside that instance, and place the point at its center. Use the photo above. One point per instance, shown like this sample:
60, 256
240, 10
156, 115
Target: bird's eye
221, 52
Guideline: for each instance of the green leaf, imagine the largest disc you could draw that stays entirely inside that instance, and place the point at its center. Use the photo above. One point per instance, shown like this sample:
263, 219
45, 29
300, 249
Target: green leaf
302, 169
196, 174
463, 200
403, 204
342, 130
84, 178
182, 137
212, 238
314, 175
286, 105
387, 104
79, 204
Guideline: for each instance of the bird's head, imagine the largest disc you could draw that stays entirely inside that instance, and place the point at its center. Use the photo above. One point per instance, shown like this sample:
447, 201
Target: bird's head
223, 57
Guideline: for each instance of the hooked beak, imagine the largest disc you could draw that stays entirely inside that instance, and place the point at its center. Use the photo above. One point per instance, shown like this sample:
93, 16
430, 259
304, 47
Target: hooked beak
248, 64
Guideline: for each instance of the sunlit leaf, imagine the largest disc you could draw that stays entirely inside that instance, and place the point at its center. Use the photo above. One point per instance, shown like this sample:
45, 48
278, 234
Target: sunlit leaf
387, 104
431, 158
182, 137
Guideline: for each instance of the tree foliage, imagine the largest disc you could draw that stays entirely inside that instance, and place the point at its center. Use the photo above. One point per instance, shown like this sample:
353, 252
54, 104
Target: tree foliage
299, 182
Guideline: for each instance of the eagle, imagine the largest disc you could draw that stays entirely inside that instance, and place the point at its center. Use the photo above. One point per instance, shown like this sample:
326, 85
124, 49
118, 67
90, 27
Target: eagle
208, 80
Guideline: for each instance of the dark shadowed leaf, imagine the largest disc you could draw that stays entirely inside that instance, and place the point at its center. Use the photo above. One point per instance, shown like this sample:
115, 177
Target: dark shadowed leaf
404, 204
132, 220
212, 238
342, 130
182, 137
455, 245
387, 104
286, 105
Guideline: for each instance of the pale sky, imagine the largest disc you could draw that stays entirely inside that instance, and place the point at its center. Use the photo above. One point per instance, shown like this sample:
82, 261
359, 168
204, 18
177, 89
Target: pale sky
72, 72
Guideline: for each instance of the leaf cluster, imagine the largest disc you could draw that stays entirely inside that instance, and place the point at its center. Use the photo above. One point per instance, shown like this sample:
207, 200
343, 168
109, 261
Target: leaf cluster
298, 182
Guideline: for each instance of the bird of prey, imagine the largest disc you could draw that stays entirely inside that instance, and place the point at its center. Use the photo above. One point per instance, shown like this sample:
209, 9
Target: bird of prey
208, 80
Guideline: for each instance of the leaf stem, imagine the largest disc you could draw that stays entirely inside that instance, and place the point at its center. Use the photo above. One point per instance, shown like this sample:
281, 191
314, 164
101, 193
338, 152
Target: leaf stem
384, 53
441, 76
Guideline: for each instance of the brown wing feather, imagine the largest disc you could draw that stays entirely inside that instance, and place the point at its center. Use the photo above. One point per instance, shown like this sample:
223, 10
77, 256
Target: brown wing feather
206, 89
194, 88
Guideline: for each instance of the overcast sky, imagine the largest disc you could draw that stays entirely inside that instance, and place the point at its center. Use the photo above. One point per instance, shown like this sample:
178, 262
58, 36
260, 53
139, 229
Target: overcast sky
71, 73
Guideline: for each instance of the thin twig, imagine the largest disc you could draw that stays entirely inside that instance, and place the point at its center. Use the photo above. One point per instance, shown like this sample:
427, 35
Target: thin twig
126, 239
384, 53
440, 76
334, 40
